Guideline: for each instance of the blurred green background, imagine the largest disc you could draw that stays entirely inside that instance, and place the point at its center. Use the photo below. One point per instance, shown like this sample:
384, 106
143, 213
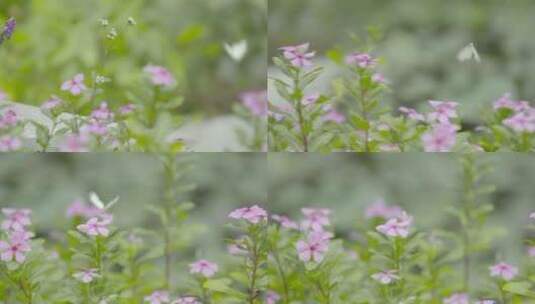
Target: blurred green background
420, 43
424, 184
56, 39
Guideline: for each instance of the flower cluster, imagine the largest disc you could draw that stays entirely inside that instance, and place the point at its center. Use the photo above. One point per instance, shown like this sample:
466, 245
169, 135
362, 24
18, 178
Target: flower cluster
359, 123
389, 260
18, 242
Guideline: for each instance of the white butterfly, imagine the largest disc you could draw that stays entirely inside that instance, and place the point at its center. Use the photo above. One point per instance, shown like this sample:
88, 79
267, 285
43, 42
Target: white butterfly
468, 52
95, 200
237, 50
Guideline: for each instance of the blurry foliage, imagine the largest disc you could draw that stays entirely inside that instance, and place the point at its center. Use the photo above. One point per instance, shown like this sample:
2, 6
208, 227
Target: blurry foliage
420, 43
55, 39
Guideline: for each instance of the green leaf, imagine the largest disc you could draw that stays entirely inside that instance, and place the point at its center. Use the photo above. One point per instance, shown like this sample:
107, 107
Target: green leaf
520, 288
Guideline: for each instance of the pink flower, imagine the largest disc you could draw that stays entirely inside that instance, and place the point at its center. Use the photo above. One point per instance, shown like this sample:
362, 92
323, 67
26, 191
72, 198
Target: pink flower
79, 208
412, 114
51, 103
9, 143
158, 297
531, 251
443, 111
441, 138
74, 143
396, 226
186, 300
256, 102
285, 221
86, 276
127, 109
382, 210
504, 102
95, 227
334, 116
503, 270
16, 219
521, 122
298, 56
160, 76
272, 297
95, 127
314, 247
362, 60
16, 249
310, 99
253, 214
9, 119
102, 113
457, 298
315, 218
386, 277
204, 267
75, 85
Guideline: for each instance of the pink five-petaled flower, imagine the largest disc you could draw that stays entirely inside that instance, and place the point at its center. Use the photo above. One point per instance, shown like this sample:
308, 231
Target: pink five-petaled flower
386, 277
127, 109
16, 248
505, 102
380, 209
272, 297
9, 143
79, 208
397, 226
285, 221
315, 218
314, 247
253, 214
158, 297
332, 115
503, 270
522, 121
204, 267
16, 219
95, 227
362, 60
443, 111
441, 138
255, 102
457, 298
298, 56
75, 85
160, 76
412, 114
51, 103
9, 119
87, 275
186, 300
102, 113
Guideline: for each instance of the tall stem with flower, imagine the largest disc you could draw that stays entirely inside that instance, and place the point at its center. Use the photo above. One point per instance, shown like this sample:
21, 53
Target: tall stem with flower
298, 123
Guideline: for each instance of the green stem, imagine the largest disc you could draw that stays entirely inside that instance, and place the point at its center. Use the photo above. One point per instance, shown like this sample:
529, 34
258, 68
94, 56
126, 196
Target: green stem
286, 297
